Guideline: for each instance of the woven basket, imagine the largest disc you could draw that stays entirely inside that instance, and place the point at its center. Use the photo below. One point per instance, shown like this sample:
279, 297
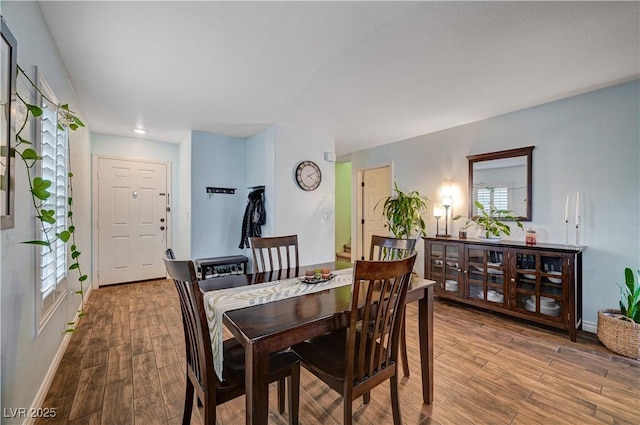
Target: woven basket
619, 333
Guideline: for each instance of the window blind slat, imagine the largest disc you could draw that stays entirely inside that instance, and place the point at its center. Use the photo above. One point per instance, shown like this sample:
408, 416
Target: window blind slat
53, 167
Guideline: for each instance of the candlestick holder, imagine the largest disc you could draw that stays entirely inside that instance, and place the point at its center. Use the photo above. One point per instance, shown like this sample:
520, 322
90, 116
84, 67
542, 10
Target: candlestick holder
577, 235
566, 232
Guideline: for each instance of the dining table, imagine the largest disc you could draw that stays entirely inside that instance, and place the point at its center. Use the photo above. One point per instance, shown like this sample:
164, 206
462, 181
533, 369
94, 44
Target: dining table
271, 326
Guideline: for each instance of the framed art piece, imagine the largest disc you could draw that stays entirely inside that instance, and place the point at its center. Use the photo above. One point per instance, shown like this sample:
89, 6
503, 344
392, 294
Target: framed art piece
8, 74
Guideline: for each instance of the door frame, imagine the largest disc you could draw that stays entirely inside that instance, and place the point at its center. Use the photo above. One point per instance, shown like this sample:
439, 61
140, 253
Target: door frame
357, 200
95, 160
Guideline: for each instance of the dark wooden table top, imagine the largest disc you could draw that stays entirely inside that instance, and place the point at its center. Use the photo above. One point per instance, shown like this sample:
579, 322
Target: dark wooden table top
275, 317
269, 327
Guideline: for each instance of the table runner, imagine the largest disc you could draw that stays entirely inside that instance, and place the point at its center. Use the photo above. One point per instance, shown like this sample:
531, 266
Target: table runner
217, 302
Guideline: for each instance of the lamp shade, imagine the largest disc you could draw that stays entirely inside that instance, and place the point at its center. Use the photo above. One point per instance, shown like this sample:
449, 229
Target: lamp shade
437, 211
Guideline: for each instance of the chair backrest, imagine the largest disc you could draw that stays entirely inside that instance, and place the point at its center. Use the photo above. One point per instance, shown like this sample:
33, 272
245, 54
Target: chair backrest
274, 253
388, 248
196, 332
378, 297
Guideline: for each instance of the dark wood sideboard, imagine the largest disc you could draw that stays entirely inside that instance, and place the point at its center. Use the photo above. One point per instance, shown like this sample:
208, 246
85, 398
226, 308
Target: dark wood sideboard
541, 283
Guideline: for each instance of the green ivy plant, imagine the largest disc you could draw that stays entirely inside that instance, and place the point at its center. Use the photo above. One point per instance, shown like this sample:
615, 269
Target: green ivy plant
630, 296
490, 222
403, 212
39, 187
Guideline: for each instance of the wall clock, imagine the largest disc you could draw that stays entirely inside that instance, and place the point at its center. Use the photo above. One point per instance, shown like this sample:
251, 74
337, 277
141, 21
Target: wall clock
308, 175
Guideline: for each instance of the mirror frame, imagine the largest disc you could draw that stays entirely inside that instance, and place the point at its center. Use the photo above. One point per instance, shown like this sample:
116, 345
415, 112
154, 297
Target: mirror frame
7, 134
526, 152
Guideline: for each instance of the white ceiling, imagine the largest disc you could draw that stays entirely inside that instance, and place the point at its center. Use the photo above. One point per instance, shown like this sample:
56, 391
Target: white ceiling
366, 73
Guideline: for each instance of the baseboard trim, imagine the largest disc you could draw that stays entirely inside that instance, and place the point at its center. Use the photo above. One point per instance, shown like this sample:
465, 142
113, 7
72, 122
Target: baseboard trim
38, 401
590, 327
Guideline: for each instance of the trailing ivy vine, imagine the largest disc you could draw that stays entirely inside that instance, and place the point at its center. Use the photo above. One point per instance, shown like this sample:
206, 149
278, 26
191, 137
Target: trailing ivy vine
39, 187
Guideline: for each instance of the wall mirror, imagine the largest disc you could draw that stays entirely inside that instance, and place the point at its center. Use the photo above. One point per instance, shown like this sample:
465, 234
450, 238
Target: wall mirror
501, 179
8, 73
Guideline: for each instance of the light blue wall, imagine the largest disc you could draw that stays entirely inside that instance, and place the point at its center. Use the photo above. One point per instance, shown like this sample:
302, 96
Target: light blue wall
216, 220
261, 163
589, 143
26, 356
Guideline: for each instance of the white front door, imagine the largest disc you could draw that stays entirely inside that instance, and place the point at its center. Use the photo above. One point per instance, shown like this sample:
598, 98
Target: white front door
375, 186
131, 221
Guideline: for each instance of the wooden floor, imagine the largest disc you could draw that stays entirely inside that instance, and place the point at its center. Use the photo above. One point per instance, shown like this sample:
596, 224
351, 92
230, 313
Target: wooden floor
125, 365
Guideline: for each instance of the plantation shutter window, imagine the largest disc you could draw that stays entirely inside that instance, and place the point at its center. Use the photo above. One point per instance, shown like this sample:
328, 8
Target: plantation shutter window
497, 196
53, 145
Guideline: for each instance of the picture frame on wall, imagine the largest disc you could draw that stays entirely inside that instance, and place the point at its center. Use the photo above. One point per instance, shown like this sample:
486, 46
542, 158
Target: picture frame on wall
8, 75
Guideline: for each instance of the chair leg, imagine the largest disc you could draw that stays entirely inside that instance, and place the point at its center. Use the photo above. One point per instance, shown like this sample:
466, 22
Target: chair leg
281, 390
366, 398
209, 408
403, 348
188, 403
294, 395
395, 400
348, 410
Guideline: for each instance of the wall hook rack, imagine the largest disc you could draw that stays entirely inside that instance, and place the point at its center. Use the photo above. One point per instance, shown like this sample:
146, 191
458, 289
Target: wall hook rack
225, 190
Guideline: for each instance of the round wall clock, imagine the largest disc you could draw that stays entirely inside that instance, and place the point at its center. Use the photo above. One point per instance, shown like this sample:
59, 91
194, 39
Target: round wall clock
308, 175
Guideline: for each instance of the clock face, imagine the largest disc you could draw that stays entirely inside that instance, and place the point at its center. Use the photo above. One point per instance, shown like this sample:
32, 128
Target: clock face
308, 175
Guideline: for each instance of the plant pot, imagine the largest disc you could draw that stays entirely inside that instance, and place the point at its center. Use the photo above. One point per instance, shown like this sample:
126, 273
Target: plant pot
491, 238
619, 333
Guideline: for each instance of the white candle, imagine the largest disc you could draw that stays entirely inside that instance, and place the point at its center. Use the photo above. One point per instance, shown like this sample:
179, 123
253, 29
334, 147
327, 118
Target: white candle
578, 208
566, 210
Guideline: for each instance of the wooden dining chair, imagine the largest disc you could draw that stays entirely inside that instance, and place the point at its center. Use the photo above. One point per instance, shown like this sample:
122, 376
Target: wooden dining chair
200, 375
387, 248
352, 362
274, 253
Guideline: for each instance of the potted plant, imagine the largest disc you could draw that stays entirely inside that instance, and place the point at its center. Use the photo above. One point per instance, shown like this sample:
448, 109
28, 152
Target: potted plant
490, 222
619, 330
403, 213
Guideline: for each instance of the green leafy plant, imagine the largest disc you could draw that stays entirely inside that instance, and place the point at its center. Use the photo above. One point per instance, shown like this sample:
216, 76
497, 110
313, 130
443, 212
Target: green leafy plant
630, 296
490, 222
403, 212
39, 187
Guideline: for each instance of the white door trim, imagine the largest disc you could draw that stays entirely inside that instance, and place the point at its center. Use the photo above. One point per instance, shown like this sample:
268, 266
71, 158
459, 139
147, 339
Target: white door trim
94, 207
356, 229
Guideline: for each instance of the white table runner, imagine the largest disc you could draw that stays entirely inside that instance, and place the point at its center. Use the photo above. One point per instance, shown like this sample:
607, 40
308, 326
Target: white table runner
217, 302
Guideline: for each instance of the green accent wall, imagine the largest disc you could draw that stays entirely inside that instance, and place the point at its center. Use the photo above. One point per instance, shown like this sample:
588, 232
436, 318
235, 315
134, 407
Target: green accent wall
343, 204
